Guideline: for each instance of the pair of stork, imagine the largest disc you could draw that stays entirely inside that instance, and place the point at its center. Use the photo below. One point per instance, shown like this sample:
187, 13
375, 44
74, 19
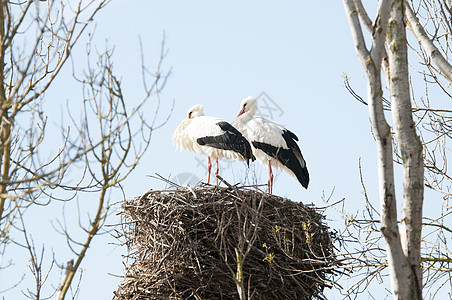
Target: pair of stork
247, 139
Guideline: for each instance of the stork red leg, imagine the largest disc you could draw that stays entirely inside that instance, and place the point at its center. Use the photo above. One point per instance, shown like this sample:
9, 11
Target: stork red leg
209, 166
216, 172
270, 178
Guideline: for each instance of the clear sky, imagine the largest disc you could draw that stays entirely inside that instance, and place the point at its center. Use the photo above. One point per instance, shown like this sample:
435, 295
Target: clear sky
295, 52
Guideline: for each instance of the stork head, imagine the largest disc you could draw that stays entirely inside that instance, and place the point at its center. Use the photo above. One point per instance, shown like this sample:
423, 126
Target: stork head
248, 106
195, 111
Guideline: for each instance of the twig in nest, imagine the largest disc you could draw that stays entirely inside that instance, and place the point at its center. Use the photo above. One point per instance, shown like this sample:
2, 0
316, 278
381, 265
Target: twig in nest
224, 181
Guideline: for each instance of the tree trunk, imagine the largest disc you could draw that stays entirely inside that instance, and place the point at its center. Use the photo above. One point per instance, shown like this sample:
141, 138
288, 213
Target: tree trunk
5, 123
410, 146
403, 250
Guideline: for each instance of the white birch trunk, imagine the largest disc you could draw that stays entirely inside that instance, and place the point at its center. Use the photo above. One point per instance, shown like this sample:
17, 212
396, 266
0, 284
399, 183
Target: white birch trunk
410, 146
401, 272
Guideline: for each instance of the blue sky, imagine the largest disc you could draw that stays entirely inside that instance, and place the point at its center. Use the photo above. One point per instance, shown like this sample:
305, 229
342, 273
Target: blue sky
220, 53
295, 52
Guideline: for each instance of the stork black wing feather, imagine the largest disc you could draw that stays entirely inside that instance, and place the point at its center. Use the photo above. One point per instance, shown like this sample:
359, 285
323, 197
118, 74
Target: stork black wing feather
231, 140
291, 157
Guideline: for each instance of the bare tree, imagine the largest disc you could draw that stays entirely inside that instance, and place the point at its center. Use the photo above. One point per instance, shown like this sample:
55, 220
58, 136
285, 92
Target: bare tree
416, 140
104, 146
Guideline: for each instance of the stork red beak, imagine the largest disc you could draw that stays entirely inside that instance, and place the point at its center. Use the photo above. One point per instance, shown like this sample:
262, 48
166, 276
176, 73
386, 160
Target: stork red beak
240, 113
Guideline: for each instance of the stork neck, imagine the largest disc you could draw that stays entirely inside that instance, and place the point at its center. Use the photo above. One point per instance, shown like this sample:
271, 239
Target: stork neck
248, 115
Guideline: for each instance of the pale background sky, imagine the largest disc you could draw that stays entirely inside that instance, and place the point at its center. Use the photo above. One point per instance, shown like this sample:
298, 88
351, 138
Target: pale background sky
296, 52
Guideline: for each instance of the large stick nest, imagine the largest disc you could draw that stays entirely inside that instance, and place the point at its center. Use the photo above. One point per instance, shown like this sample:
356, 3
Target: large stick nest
190, 244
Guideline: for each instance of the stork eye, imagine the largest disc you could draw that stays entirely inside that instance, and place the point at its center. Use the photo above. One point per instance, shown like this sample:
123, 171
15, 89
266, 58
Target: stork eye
189, 115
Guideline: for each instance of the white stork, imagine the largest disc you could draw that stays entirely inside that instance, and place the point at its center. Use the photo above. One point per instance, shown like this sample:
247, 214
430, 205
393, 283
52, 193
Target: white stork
272, 144
213, 137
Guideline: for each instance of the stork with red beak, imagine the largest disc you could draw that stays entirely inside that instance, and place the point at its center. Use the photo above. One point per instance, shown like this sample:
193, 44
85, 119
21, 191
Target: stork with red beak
213, 137
272, 144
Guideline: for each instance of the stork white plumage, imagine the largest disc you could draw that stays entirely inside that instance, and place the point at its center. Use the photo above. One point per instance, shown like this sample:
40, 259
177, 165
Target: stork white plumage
213, 137
272, 144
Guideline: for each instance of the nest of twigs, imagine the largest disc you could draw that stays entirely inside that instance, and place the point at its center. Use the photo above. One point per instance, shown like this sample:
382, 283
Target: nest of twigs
224, 243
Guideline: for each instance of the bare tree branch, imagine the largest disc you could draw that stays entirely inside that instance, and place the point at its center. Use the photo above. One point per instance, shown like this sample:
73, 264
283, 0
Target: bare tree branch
427, 45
